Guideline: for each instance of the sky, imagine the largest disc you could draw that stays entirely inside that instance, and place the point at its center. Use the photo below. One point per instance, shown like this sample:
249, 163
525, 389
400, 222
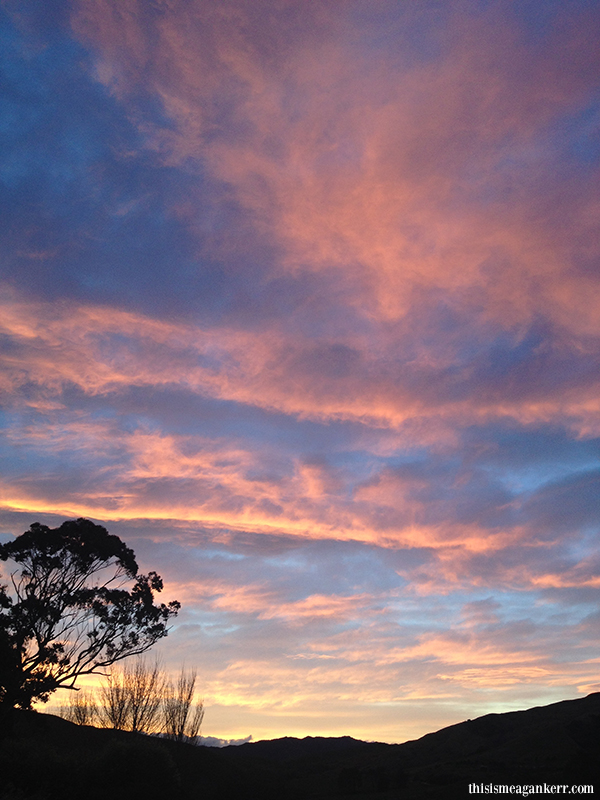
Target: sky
301, 299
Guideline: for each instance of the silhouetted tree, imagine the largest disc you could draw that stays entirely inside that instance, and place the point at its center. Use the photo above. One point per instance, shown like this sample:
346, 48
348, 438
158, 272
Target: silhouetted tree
145, 687
131, 698
8, 655
182, 717
82, 708
114, 703
68, 613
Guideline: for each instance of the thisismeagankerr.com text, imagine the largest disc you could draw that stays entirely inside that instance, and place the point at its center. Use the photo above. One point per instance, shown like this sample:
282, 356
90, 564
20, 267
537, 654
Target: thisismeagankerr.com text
527, 789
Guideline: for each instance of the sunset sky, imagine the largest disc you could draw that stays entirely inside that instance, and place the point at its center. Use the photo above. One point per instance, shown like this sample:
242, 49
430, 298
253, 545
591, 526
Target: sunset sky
301, 298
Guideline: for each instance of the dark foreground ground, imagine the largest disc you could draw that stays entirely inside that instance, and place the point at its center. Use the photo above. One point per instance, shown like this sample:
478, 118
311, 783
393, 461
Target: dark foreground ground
46, 758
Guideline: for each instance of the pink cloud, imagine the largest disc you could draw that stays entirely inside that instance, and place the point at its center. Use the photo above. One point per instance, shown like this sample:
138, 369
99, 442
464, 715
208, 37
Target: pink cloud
102, 350
376, 168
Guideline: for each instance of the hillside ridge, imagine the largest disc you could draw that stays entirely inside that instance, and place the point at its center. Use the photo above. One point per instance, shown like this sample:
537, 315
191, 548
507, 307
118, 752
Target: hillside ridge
46, 757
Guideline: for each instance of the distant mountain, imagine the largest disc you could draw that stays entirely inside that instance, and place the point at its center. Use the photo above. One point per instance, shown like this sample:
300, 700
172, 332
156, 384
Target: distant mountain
45, 757
554, 744
290, 748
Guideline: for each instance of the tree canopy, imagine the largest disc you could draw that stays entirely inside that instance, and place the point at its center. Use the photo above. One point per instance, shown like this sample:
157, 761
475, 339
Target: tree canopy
75, 605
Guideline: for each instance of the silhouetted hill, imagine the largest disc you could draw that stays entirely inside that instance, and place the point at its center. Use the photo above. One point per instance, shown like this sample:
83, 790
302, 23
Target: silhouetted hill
289, 747
45, 757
